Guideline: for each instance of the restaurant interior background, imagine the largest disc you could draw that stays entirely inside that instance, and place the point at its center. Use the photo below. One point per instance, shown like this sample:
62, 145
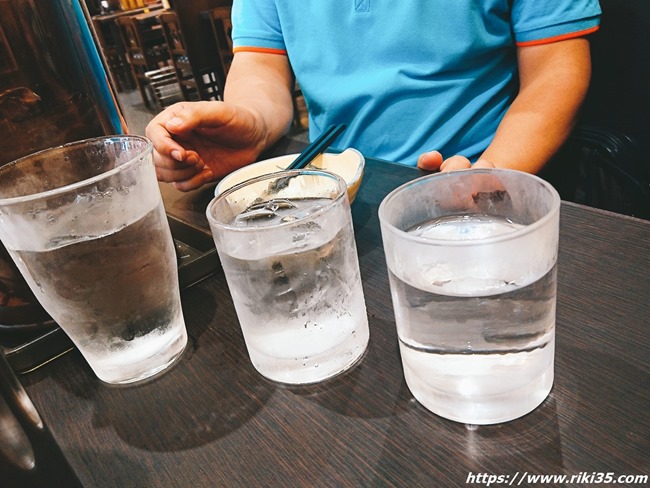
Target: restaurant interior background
53, 88
72, 69
159, 53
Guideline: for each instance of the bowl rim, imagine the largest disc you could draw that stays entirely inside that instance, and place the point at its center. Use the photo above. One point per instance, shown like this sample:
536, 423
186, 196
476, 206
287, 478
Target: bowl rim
220, 188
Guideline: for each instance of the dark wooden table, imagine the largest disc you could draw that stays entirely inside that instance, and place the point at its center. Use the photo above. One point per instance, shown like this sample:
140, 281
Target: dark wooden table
212, 421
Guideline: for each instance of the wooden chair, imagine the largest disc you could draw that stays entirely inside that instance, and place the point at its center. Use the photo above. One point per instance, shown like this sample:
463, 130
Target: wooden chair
111, 46
147, 54
219, 36
179, 56
164, 87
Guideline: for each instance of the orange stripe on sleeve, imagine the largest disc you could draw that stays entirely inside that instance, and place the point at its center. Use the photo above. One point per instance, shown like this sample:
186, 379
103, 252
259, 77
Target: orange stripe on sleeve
265, 50
562, 37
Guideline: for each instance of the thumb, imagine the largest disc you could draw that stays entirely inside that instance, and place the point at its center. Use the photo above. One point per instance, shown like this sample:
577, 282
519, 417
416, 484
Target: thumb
185, 117
483, 163
430, 161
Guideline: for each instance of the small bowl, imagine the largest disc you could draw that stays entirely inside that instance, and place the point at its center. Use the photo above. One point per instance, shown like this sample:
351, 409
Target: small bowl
348, 164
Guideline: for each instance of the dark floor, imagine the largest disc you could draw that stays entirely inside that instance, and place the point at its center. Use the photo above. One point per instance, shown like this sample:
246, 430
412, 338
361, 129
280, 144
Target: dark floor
137, 115
135, 112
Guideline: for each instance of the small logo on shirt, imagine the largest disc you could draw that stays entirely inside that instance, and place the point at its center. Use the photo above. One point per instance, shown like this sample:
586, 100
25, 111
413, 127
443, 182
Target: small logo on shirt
361, 5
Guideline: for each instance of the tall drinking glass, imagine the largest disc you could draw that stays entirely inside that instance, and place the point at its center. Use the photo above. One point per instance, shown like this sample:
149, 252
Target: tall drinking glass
286, 244
472, 259
85, 224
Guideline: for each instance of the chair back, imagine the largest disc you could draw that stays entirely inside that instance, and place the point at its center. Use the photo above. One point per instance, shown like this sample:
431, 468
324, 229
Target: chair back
149, 58
220, 30
179, 56
604, 163
144, 45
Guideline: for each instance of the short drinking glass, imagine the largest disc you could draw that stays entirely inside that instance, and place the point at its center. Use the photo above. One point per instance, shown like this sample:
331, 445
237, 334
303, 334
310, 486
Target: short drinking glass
85, 224
471, 257
286, 244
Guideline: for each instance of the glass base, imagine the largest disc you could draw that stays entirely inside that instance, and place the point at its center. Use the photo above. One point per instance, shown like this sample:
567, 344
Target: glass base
146, 369
315, 369
486, 410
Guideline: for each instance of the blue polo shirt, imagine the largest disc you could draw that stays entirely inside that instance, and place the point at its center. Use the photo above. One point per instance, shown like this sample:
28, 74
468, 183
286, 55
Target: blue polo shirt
407, 76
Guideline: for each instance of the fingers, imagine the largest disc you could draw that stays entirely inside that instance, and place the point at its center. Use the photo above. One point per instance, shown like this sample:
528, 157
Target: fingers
175, 163
166, 147
170, 169
195, 181
171, 129
184, 117
433, 161
180, 174
167, 131
430, 161
483, 163
455, 163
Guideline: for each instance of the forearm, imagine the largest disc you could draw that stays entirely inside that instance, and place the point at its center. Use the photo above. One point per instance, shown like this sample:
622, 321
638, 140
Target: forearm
262, 84
554, 80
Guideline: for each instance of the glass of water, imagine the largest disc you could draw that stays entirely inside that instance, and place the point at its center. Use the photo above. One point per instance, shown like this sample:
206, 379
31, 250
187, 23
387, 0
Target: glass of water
471, 257
286, 244
85, 224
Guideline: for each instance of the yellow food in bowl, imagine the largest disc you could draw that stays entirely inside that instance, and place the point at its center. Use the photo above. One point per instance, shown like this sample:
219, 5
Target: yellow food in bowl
349, 165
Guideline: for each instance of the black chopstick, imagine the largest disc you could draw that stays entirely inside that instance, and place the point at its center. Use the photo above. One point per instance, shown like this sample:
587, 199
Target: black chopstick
317, 147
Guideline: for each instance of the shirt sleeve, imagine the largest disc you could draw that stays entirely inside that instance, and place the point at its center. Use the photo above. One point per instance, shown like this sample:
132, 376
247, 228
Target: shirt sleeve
536, 22
256, 26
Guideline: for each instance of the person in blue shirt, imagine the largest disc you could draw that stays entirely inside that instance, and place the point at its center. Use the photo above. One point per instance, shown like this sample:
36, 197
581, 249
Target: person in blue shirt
441, 85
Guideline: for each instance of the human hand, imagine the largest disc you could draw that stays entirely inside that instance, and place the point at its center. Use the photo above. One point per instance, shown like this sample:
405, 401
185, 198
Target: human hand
481, 192
433, 161
196, 142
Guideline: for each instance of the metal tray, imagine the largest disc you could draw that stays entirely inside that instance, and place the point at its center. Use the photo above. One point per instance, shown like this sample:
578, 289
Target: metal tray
31, 348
